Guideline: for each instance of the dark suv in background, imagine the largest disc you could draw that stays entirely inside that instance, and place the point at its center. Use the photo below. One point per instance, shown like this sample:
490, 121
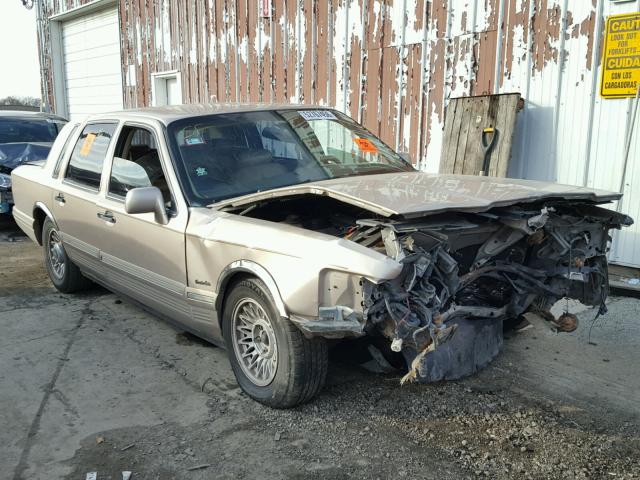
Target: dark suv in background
25, 136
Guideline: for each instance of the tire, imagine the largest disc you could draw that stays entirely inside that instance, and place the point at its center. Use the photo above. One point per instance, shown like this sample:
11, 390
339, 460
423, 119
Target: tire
294, 368
64, 274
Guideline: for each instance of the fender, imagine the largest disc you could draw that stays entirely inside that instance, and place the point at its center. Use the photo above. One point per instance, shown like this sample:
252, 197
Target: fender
255, 269
37, 228
47, 212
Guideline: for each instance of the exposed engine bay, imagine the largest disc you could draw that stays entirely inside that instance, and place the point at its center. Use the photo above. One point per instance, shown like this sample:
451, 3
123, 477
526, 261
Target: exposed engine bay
464, 273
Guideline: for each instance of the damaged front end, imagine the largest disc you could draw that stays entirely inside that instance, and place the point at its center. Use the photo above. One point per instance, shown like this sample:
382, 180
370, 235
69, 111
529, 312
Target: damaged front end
463, 274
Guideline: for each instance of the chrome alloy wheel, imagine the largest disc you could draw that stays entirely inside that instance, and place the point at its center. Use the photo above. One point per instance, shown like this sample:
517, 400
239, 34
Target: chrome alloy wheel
254, 342
56, 254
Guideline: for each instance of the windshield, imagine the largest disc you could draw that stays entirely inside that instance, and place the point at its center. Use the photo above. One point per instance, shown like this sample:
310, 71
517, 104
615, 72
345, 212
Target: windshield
24, 130
229, 155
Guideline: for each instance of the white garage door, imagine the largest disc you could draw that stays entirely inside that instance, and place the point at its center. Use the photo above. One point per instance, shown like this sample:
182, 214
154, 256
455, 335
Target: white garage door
91, 49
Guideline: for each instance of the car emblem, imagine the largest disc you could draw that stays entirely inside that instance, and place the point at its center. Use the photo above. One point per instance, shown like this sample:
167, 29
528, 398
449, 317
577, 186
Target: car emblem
201, 171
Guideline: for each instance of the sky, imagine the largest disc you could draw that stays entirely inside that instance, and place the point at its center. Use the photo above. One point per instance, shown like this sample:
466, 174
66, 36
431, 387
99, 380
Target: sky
20, 72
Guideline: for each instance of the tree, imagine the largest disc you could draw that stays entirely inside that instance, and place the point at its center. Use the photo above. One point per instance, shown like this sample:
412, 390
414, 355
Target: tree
21, 101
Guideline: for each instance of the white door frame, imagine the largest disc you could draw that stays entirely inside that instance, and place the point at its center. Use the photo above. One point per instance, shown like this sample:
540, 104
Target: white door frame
57, 49
159, 85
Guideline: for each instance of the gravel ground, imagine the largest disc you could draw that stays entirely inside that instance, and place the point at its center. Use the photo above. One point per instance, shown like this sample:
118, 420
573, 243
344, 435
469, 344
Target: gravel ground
91, 383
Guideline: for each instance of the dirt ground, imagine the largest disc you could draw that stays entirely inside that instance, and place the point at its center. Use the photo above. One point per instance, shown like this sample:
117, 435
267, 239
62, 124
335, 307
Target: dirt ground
90, 383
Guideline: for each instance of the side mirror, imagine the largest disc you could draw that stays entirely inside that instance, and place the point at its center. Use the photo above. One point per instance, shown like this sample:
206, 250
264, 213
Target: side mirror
146, 200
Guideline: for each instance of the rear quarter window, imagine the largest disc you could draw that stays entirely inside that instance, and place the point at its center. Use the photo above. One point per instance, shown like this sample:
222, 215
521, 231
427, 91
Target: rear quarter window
61, 146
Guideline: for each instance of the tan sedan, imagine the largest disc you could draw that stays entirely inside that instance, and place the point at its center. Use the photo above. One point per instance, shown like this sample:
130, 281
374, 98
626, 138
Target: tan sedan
275, 230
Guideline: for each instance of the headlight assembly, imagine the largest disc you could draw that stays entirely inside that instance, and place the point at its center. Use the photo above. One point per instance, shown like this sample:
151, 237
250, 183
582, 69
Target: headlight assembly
5, 181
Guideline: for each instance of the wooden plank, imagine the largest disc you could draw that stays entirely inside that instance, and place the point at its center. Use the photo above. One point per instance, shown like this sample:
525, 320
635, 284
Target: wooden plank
461, 144
411, 103
323, 49
310, 54
447, 157
481, 117
253, 24
390, 65
220, 35
371, 107
355, 63
466, 117
505, 123
242, 45
291, 46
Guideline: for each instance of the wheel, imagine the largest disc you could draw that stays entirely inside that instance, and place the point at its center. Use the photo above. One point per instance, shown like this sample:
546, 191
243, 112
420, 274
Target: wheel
64, 274
274, 363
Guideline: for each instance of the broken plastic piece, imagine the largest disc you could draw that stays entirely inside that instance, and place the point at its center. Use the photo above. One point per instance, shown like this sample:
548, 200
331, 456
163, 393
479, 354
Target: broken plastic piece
396, 345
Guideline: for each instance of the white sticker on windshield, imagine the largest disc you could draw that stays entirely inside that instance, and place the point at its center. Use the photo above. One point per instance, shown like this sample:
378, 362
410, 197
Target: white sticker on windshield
317, 115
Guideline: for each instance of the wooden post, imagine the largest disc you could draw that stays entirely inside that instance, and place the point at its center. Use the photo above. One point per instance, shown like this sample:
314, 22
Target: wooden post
465, 120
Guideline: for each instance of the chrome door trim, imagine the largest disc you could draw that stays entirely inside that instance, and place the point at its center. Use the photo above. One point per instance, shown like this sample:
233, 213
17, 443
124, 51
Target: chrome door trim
80, 245
143, 274
200, 296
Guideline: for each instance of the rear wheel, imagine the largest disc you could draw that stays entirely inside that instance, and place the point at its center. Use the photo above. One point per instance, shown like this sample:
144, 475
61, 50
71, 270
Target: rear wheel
271, 359
64, 274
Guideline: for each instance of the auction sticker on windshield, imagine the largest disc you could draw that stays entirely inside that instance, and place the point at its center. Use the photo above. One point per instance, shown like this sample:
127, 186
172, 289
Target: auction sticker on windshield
365, 145
317, 115
621, 57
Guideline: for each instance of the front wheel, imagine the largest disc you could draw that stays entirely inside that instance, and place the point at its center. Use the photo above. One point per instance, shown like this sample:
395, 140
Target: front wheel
64, 274
273, 362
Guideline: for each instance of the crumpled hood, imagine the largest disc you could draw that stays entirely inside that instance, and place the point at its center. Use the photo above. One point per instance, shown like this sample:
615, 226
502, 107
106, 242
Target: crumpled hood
411, 193
15, 154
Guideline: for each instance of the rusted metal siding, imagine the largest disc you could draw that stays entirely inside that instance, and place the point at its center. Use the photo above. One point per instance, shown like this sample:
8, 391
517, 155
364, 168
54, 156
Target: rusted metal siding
393, 65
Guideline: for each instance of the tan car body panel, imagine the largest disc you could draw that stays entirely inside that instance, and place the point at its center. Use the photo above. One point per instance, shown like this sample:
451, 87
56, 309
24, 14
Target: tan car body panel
412, 193
180, 269
290, 255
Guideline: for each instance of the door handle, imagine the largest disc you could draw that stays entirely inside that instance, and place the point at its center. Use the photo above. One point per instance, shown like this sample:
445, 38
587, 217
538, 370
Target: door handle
107, 216
59, 198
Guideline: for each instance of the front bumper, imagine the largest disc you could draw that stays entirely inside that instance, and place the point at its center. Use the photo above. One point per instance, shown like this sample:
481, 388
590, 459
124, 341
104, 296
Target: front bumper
332, 322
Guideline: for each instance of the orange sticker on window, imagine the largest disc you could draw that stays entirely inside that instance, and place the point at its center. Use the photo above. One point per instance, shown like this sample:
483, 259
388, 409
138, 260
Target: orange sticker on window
87, 144
365, 145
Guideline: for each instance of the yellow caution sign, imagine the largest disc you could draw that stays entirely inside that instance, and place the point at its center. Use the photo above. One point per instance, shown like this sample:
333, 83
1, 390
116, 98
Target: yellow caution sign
621, 57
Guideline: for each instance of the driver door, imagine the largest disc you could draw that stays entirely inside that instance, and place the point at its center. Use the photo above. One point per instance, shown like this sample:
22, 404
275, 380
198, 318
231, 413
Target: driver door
143, 259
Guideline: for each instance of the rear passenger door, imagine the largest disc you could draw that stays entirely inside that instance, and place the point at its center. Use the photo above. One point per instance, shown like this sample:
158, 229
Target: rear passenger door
75, 196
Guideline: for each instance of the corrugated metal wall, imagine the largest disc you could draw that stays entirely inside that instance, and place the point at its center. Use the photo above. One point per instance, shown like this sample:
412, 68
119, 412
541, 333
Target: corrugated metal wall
393, 65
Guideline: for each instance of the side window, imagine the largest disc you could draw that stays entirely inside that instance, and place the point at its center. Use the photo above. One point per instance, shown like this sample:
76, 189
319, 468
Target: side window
87, 158
136, 163
63, 151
